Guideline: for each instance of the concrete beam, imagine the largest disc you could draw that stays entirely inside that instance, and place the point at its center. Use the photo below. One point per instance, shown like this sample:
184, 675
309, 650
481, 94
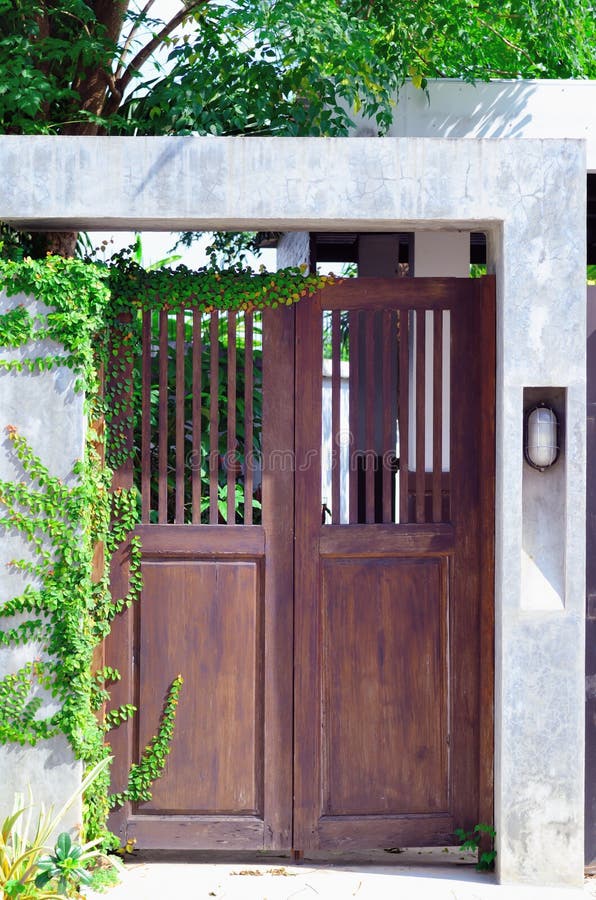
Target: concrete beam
279, 184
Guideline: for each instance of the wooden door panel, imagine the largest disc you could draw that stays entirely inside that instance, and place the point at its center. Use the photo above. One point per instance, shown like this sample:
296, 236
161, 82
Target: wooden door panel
385, 686
204, 618
394, 603
216, 604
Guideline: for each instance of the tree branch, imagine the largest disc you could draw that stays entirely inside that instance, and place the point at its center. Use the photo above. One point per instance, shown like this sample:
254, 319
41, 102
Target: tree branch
505, 41
438, 72
144, 54
133, 31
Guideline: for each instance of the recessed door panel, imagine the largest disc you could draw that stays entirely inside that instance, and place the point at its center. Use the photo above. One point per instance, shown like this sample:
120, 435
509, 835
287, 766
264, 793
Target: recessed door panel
385, 686
204, 619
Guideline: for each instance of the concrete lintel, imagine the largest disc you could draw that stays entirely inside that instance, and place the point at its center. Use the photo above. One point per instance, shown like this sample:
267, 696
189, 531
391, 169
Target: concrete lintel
303, 184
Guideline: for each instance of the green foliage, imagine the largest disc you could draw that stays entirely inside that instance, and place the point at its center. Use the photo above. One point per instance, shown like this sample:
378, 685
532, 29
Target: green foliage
104, 877
68, 613
78, 294
152, 763
19, 722
67, 866
255, 67
16, 327
63, 606
470, 840
236, 288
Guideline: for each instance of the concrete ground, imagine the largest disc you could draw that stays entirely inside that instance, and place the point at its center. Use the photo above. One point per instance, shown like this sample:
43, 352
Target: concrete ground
416, 874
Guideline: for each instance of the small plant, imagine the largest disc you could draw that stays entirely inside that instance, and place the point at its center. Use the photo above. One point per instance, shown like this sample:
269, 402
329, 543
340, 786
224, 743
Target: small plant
28, 870
470, 840
65, 867
104, 876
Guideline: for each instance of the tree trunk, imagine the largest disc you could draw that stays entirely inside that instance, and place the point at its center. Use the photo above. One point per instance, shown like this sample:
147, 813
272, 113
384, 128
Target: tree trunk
58, 243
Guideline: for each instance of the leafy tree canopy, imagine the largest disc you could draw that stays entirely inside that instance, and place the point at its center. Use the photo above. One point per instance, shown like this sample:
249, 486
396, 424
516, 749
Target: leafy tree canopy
265, 66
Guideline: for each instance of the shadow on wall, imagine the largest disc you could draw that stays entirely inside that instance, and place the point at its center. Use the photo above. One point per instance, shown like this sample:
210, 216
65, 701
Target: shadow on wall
458, 110
501, 116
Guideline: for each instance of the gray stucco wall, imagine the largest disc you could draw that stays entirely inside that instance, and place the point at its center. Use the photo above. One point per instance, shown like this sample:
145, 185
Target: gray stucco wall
529, 196
45, 409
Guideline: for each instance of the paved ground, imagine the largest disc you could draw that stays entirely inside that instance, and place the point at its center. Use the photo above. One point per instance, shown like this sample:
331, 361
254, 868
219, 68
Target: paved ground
420, 875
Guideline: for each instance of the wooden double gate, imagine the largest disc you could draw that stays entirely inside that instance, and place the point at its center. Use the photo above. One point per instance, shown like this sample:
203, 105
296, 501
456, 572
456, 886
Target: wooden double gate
317, 561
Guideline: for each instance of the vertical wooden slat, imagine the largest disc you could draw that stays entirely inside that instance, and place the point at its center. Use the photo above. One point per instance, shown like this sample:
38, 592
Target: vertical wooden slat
420, 412
196, 417
213, 417
231, 442
404, 419
437, 415
388, 342
180, 394
309, 605
278, 584
354, 326
248, 417
146, 418
162, 503
446, 412
467, 362
369, 439
335, 415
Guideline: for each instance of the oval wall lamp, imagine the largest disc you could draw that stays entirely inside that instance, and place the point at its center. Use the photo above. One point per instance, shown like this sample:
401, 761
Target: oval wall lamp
541, 436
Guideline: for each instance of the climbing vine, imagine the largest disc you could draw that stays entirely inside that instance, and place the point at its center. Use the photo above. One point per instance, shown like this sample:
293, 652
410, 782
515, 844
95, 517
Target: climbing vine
88, 320
152, 762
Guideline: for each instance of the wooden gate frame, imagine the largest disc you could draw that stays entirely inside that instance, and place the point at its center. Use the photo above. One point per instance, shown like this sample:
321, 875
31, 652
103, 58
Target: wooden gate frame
279, 383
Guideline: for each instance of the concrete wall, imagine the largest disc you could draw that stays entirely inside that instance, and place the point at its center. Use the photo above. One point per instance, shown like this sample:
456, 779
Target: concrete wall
45, 409
529, 196
591, 586
293, 249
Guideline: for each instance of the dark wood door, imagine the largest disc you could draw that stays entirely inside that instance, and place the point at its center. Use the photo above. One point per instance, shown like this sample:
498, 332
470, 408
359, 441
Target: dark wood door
393, 567
356, 709
217, 567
